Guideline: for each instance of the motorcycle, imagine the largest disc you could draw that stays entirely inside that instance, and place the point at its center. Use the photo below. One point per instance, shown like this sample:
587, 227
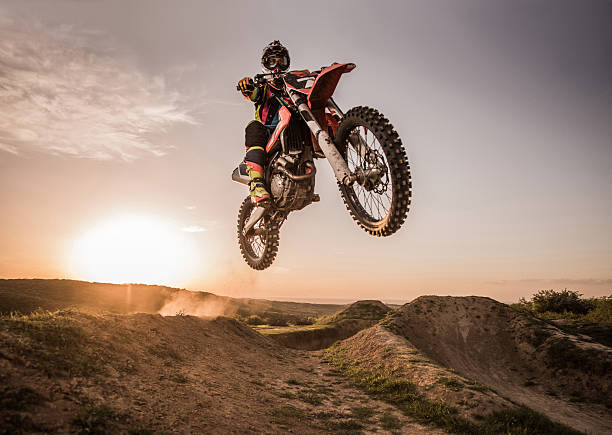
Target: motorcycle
362, 147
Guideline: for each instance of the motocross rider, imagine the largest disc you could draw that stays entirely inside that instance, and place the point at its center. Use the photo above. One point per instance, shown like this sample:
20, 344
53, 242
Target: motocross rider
274, 59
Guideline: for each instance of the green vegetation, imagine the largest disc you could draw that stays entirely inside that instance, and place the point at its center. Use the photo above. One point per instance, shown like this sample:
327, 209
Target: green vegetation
54, 341
399, 392
271, 330
273, 319
254, 320
404, 394
453, 384
568, 305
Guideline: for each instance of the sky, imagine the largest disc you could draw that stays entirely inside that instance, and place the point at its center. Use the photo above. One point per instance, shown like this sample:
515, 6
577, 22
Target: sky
120, 126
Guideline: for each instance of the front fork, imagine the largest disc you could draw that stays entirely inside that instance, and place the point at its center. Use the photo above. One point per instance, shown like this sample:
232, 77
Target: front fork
337, 162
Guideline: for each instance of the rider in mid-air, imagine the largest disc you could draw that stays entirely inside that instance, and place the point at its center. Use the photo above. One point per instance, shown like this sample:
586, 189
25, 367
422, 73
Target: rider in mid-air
275, 59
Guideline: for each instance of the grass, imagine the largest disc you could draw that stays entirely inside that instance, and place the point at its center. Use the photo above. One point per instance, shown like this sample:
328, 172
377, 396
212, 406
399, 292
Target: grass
404, 394
310, 398
271, 330
453, 384
55, 342
399, 392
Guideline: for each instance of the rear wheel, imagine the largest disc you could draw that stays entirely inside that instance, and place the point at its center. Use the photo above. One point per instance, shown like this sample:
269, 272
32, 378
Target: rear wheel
380, 198
260, 245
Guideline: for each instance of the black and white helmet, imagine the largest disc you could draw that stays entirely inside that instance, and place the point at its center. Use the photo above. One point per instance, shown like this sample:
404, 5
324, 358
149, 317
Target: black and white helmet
275, 58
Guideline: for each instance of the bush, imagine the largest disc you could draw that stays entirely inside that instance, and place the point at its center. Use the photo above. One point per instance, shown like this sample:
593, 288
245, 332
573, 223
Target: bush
567, 305
566, 301
303, 321
276, 321
254, 320
601, 311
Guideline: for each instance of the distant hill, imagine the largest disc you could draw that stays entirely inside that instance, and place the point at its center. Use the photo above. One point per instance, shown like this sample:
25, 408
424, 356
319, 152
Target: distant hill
27, 295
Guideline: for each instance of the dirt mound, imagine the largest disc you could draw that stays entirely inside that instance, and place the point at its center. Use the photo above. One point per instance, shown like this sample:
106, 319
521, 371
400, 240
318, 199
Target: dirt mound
363, 310
379, 350
72, 372
521, 357
352, 319
319, 337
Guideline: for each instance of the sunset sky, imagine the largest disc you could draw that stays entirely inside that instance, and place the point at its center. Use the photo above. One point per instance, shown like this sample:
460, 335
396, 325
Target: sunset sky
120, 126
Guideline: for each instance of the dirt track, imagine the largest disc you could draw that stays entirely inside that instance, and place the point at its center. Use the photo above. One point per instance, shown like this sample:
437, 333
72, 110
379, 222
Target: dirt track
522, 358
70, 371
175, 374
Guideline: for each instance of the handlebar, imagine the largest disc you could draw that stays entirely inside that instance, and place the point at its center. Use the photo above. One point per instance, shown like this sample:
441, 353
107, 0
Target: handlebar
259, 79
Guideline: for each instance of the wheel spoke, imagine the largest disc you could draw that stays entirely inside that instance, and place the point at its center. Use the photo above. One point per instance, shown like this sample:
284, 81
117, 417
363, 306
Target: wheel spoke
375, 200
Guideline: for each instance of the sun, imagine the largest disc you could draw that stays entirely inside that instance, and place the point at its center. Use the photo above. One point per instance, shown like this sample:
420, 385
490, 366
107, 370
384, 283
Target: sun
135, 249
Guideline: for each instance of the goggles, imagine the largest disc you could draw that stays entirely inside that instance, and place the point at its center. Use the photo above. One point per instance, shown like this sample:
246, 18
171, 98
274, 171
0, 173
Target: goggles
276, 60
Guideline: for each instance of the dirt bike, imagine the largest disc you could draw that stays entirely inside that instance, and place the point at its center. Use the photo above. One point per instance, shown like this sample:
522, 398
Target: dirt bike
362, 147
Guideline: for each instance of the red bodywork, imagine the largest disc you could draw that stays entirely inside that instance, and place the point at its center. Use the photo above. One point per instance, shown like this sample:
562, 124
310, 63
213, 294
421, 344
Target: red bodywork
285, 116
322, 88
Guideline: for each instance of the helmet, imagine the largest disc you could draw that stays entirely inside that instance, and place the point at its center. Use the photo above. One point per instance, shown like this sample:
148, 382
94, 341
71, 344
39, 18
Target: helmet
275, 58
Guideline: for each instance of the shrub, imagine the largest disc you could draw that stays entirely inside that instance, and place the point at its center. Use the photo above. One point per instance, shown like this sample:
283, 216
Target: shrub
276, 321
601, 311
567, 305
566, 301
254, 320
303, 321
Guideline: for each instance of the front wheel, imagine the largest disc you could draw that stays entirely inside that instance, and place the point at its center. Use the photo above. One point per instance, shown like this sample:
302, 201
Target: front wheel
380, 198
260, 245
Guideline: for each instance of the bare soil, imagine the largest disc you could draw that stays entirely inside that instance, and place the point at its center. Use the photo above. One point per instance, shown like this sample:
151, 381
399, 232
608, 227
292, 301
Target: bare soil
69, 371
522, 358
73, 372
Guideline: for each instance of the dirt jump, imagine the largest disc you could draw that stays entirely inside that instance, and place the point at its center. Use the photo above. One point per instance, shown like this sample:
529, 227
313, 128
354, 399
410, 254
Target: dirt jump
481, 356
436, 365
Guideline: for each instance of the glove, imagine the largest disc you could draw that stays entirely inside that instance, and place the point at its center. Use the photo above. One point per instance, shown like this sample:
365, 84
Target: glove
246, 86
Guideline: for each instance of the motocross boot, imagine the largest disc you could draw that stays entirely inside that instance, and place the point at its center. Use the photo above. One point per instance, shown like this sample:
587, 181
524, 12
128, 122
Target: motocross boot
258, 190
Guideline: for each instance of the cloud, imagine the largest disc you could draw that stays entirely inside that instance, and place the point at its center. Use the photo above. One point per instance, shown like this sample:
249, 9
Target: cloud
62, 91
556, 282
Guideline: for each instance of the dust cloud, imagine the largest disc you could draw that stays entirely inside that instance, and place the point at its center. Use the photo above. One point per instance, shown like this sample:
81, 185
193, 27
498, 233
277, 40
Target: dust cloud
194, 305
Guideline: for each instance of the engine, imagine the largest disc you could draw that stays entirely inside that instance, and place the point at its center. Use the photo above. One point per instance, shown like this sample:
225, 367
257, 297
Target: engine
292, 182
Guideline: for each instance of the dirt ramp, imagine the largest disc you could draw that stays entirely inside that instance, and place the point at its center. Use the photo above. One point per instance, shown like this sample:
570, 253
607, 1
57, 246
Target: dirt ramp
320, 338
363, 310
343, 324
518, 355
